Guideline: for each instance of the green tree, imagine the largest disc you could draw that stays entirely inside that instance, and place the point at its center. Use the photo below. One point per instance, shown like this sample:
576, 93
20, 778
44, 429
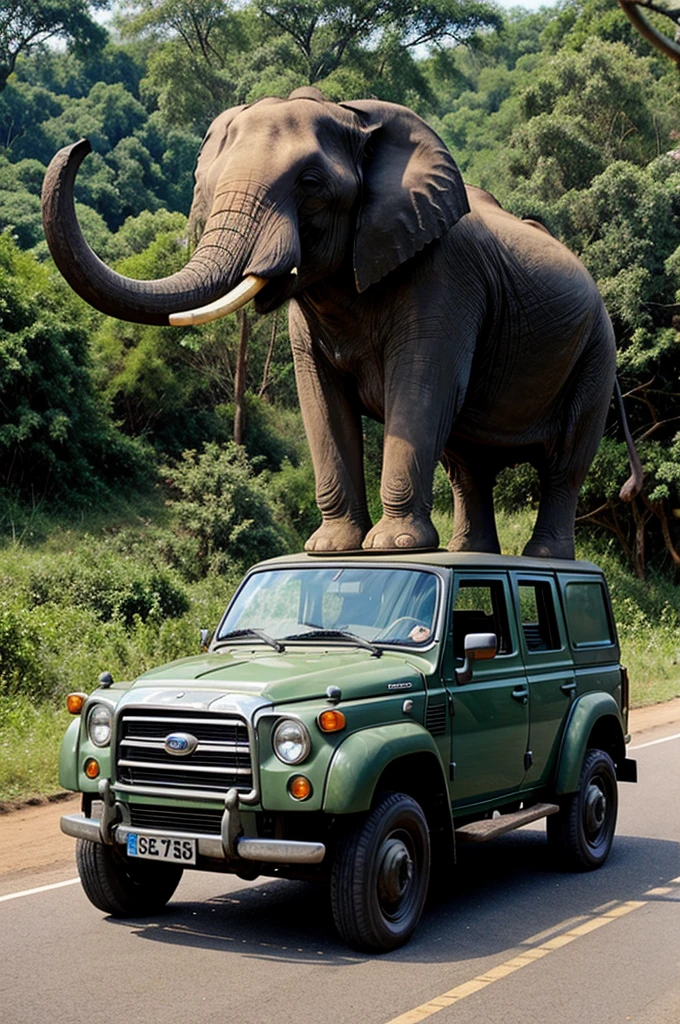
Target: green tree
221, 512
28, 24
326, 31
55, 438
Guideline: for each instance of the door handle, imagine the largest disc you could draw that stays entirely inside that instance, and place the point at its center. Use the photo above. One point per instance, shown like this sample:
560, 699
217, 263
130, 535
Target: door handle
568, 688
521, 694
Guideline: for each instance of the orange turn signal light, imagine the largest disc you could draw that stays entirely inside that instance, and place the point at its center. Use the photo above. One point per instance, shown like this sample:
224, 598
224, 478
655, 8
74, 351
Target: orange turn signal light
92, 768
75, 701
332, 721
299, 787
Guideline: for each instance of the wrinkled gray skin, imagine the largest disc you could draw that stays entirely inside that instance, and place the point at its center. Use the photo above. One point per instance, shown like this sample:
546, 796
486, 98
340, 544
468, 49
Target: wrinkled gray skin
476, 337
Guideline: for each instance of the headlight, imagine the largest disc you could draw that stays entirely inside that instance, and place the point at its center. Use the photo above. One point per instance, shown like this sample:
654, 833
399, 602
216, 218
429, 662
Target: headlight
291, 741
99, 725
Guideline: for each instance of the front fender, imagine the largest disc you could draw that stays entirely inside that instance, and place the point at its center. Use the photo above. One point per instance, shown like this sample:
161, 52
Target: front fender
68, 756
586, 712
361, 759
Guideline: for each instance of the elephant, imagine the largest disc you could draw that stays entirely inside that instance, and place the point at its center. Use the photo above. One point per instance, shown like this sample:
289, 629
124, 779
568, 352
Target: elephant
476, 337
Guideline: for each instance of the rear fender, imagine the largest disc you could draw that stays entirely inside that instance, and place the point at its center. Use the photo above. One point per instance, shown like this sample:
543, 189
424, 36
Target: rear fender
597, 712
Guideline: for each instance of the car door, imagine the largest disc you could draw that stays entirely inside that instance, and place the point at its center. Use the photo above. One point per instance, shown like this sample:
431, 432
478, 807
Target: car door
490, 723
549, 667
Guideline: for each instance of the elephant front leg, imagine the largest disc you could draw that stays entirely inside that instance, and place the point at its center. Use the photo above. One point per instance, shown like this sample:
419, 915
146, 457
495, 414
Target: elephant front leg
333, 428
419, 407
406, 495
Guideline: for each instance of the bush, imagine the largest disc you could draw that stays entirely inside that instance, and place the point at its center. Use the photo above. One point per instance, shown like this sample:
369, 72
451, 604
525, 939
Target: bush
221, 514
292, 492
20, 668
114, 587
55, 436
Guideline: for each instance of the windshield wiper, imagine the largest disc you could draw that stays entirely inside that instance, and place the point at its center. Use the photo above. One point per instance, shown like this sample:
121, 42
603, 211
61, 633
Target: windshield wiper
259, 633
341, 634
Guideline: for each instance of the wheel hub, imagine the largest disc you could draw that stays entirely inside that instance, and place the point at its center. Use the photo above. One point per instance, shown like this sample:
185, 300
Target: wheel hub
395, 872
595, 808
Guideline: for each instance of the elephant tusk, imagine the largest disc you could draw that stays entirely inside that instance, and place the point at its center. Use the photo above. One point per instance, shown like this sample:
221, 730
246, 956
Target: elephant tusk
229, 303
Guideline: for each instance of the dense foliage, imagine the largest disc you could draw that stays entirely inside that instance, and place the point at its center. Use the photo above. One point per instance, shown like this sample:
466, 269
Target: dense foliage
565, 114
124, 432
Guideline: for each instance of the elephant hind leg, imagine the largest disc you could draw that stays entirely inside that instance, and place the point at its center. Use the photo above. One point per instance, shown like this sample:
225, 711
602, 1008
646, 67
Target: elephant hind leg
472, 480
563, 471
553, 534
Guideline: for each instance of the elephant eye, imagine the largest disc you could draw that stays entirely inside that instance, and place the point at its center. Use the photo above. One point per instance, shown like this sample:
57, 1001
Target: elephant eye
312, 183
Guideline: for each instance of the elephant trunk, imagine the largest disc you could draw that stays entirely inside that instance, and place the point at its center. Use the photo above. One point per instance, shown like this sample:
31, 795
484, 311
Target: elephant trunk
671, 47
239, 220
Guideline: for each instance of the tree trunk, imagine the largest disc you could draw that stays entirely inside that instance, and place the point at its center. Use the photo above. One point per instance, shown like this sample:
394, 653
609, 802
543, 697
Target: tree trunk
240, 378
268, 361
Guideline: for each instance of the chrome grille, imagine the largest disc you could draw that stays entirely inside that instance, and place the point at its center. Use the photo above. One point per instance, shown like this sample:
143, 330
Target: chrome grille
220, 761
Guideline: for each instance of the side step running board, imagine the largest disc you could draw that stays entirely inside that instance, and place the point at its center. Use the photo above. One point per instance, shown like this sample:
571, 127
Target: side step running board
489, 828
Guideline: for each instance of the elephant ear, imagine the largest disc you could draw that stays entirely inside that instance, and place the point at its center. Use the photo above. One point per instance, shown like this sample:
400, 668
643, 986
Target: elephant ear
412, 190
211, 147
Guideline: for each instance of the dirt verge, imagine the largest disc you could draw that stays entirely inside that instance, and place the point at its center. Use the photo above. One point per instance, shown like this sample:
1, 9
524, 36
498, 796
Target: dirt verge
30, 837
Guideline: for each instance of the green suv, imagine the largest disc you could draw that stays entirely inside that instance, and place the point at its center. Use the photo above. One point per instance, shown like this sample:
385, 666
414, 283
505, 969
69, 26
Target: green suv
354, 719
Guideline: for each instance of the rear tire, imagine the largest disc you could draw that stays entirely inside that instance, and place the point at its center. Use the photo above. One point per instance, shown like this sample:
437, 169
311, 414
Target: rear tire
122, 887
581, 835
380, 875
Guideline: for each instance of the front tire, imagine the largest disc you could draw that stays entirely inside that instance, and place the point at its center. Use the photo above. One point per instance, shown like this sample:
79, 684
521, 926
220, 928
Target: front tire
380, 875
581, 834
123, 887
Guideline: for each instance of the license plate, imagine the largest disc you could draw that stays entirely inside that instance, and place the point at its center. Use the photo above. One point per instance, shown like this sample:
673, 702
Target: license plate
178, 851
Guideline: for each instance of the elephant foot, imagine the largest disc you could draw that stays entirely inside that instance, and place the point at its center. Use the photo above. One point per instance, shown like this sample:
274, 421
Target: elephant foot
409, 532
488, 545
557, 547
336, 535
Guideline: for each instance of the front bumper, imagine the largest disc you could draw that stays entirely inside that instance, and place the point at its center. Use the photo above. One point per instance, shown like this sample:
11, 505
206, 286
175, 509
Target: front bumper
229, 846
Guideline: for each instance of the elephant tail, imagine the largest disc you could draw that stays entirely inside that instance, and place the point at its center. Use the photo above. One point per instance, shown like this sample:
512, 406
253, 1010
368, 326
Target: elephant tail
633, 484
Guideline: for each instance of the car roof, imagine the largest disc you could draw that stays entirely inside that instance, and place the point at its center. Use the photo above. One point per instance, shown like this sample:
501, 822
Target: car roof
473, 560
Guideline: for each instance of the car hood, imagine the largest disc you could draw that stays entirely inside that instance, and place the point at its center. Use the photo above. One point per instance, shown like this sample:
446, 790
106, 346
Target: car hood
290, 676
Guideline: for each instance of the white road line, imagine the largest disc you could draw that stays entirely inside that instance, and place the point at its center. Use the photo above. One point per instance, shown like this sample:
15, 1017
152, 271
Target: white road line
72, 881
40, 888
653, 743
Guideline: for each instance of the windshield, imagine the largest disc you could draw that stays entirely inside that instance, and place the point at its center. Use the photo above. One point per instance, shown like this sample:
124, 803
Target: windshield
379, 605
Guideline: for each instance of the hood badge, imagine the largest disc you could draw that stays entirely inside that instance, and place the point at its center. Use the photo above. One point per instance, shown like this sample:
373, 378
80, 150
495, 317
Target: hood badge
400, 686
180, 744
178, 695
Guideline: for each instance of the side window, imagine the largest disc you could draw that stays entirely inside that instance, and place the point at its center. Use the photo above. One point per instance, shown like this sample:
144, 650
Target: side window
587, 614
537, 612
480, 608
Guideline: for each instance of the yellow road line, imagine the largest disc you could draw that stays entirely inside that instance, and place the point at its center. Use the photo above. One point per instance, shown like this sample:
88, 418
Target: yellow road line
523, 959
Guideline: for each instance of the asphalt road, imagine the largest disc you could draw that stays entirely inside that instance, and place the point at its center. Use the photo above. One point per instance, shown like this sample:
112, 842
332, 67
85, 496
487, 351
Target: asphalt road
518, 942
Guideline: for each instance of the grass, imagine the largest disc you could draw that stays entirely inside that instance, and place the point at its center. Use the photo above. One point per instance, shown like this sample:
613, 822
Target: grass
30, 736
52, 647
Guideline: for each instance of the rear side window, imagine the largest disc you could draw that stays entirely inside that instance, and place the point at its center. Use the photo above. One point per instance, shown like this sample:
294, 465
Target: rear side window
480, 608
537, 612
587, 615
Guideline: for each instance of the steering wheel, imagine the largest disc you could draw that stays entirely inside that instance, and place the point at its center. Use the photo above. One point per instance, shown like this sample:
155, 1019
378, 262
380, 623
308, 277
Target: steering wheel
384, 634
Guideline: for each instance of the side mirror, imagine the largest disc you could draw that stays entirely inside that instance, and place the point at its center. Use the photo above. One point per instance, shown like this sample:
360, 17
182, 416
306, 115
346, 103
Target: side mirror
478, 647
206, 637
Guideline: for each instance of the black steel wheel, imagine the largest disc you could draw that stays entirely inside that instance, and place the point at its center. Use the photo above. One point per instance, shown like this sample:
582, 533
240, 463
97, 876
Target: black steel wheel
380, 875
123, 887
581, 834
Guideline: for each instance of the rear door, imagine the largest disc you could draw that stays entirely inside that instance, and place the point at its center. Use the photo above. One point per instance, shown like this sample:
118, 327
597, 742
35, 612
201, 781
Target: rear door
549, 667
490, 722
